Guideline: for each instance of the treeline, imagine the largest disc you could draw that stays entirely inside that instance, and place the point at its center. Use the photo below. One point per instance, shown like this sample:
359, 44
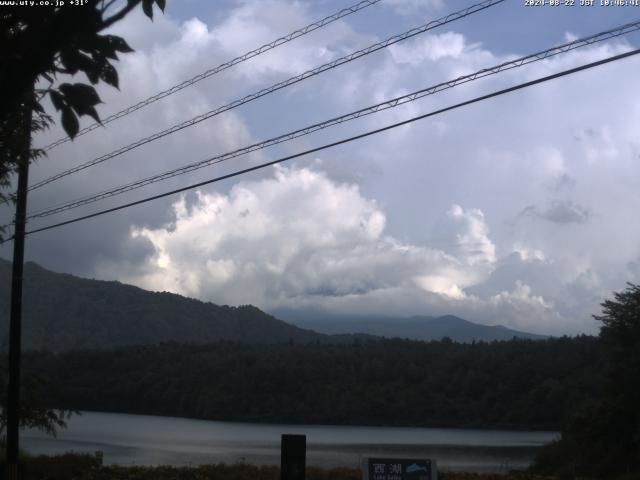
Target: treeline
601, 434
515, 384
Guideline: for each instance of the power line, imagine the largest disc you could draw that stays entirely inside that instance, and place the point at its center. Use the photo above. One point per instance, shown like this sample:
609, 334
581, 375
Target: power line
392, 103
343, 141
223, 66
286, 83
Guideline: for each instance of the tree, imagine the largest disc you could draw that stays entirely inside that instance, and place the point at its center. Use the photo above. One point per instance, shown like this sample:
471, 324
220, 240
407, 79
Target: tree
39, 43
34, 413
620, 336
602, 438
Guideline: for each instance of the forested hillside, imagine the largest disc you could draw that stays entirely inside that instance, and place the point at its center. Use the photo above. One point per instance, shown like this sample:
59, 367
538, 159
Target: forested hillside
515, 384
64, 312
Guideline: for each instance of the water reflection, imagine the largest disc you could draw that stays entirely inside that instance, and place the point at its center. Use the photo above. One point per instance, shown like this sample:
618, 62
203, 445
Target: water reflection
148, 440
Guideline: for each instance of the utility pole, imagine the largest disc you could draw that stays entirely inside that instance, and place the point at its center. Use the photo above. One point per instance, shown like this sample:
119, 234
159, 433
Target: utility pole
15, 325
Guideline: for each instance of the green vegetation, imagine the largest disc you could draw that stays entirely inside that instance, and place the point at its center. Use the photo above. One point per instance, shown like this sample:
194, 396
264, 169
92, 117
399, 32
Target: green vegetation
34, 411
89, 467
601, 436
75, 43
516, 384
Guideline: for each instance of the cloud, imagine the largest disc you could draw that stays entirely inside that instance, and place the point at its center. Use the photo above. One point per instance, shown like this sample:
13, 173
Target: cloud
559, 212
563, 182
422, 216
520, 308
300, 239
252, 24
431, 47
298, 235
411, 7
473, 244
633, 271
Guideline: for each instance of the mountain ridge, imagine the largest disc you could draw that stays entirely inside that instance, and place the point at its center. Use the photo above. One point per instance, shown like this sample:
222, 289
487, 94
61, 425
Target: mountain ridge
64, 312
417, 327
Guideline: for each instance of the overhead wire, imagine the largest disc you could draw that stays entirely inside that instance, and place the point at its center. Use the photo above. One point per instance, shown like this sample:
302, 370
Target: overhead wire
388, 104
278, 86
223, 66
345, 140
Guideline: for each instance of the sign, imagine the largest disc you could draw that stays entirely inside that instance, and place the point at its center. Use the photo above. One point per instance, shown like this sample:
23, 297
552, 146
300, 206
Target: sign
398, 469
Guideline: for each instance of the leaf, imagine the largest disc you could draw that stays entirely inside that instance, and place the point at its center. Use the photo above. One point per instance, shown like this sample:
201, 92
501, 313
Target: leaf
69, 122
81, 98
161, 4
90, 67
79, 94
69, 61
93, 75
86, 110
118, 44
104, 51
57, 100
37, 107
110, 75
147, 8
37, 153
91, 111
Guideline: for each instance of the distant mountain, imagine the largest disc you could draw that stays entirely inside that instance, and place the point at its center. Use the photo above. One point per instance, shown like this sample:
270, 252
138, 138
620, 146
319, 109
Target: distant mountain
64, 312
416, 328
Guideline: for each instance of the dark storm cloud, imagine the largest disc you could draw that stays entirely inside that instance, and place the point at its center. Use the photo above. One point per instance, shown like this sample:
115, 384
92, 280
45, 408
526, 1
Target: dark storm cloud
559, 212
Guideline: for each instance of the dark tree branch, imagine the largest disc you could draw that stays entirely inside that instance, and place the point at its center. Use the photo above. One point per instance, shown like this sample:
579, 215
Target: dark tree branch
105, 8
118, 16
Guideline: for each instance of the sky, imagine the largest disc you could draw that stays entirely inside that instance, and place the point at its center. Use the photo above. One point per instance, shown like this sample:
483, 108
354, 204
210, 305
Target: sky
520, 210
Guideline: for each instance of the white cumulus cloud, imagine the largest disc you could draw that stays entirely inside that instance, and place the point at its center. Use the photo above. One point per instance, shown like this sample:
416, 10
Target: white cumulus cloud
301, 239
297, 235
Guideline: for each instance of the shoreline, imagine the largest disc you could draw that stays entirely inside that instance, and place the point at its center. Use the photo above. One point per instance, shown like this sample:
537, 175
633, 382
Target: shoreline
267, 423
91, 467
147, 440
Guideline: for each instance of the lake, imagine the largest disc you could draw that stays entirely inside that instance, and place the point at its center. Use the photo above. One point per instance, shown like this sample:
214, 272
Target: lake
148, 440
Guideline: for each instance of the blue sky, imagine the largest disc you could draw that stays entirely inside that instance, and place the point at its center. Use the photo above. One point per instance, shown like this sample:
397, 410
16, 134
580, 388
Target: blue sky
510, 26
515, 211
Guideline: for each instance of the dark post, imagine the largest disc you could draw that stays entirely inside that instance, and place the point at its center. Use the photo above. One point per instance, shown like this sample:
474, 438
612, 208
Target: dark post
293, 454
15, 324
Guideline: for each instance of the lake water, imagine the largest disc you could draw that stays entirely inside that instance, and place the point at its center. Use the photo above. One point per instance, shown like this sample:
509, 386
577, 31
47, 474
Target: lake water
149, 440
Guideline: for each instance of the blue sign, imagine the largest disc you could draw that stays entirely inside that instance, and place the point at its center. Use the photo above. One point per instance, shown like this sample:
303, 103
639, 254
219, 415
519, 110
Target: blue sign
398, 469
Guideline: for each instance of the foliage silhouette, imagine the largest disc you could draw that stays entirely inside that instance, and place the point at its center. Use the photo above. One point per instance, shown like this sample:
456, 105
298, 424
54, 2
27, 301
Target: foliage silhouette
602, 437
514, 384
37, 44
34, 413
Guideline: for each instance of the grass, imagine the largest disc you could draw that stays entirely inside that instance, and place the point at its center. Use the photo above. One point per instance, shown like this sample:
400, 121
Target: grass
75, 466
